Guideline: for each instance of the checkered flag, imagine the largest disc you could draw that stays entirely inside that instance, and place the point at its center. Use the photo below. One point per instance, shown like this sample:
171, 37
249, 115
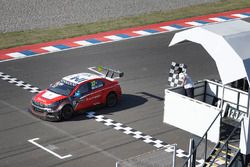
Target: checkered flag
173, 79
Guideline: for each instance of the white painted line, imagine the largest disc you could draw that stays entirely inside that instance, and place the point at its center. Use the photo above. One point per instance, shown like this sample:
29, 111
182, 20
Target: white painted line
142, 32
114, 37
194, 23
240, 15
19, 83
16, 55
51, 49
217, 19
83, 43
46, 149
130, 131
169, 28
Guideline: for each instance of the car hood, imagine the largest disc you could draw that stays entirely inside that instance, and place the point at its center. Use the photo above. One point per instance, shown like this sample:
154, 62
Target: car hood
47, 97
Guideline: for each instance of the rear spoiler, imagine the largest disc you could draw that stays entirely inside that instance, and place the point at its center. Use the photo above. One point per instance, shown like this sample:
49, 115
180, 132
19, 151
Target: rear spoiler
107, 72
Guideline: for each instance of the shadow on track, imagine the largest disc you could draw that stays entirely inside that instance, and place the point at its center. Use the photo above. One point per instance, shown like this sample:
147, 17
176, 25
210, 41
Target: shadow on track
127, 101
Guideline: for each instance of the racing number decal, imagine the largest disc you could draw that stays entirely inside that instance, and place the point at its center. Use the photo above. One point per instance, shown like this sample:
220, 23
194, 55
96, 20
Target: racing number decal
96, 84
95, 98
93, 84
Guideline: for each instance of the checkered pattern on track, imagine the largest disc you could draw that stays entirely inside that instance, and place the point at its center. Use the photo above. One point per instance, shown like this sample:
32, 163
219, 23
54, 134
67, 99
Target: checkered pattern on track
109, 122
173, 78
140, 136
129, 131
19, 83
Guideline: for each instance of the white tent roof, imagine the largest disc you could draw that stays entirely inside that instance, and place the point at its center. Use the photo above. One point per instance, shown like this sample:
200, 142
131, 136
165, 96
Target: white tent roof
228, 43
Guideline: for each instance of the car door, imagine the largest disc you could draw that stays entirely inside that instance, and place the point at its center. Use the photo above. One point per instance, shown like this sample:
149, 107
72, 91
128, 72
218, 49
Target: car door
96, 87
80, 97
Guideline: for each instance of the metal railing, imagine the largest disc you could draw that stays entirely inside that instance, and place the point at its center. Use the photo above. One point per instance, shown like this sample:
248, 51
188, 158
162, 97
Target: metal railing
190, 161
225, 145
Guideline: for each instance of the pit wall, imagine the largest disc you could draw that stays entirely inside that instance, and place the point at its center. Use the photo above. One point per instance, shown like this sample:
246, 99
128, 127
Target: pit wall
196, 115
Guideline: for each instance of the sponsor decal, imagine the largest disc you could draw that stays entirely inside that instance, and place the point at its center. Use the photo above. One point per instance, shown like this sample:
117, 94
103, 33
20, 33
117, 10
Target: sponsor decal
93, 97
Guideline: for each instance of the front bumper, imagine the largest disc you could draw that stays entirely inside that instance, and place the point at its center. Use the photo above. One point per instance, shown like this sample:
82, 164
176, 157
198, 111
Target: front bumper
44, 114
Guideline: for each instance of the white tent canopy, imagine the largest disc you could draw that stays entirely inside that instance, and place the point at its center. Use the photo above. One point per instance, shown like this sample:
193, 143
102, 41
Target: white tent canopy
228, 43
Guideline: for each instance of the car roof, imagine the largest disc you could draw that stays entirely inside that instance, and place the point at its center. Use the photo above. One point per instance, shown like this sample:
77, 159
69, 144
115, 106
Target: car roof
80, 78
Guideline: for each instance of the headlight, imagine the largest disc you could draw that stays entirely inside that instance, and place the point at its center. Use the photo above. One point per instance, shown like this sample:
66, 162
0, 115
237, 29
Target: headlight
54, 105
33, 100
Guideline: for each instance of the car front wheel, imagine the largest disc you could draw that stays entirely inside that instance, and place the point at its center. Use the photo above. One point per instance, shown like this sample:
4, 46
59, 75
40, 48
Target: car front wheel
66, 112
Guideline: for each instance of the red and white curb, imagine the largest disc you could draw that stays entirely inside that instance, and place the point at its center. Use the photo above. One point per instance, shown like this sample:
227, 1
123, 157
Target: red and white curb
118, 35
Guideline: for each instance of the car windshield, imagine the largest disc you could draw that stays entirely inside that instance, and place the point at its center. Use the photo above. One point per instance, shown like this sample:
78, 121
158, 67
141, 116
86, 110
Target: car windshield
62, 88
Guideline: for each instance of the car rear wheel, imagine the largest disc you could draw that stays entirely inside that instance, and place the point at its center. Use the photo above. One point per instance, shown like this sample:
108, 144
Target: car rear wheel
111, 100
66, 112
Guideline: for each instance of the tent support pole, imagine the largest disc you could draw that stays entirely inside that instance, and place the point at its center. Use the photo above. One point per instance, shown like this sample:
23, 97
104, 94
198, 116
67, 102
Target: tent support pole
222, 97
248, 102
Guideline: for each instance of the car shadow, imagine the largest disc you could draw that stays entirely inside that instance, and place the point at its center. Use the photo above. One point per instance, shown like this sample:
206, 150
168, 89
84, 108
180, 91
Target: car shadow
127, 101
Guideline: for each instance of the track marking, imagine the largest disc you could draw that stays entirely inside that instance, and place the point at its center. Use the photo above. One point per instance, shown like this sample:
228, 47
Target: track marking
141, 136
72, 137
19, 83
48, 150
106, 121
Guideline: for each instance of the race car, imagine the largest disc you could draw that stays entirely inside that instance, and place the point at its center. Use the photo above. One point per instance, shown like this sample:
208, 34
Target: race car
78, 92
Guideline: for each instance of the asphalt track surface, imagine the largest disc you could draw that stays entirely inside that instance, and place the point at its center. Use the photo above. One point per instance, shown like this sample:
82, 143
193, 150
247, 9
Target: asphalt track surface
18, 15
145, 62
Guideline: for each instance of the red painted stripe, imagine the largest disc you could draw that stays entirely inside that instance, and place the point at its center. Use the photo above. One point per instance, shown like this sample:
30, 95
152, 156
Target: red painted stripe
5, 57
71, 44
103, 39
184, 24
128, 31
131, 34
160, 29
232, 17
209, 21
39, 50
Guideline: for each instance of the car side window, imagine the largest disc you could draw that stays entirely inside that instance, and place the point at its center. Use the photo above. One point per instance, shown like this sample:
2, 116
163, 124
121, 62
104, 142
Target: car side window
96, 84
84, 89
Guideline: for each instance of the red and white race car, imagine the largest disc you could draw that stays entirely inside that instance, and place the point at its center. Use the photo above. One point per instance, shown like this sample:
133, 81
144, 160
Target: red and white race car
78, 92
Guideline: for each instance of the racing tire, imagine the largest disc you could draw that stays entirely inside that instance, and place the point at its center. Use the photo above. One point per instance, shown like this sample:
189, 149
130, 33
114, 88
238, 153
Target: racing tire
111, 100
66, 112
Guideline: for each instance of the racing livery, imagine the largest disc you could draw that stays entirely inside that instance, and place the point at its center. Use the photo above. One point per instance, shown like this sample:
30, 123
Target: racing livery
77, 92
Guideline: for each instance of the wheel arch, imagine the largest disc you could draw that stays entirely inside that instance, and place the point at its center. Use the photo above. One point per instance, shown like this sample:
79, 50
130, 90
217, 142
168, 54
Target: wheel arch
63, 105
111, 92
